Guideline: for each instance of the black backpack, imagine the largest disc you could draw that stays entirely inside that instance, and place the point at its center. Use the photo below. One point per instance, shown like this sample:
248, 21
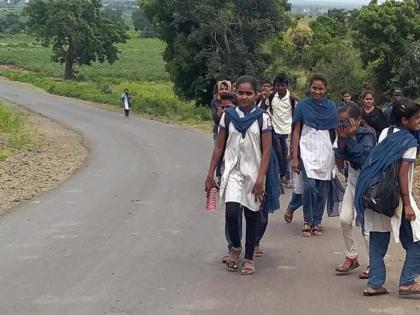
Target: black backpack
384, 196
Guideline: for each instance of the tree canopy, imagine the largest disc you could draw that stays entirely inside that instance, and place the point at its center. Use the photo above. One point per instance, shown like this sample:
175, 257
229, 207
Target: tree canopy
212, 40
78, 30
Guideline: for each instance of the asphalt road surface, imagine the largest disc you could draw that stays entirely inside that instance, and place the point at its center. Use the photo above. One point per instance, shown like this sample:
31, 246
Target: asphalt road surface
127, 234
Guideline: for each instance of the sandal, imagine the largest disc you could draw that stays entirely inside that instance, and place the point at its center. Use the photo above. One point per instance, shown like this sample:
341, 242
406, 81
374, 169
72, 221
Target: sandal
258, 252
306, 231
248, 267
413, 290
349, 265
380, 291
232, 261
288, 216
316, 230
365, 274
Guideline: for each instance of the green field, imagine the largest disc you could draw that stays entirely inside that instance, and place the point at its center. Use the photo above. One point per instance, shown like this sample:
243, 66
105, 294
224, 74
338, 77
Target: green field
140, 68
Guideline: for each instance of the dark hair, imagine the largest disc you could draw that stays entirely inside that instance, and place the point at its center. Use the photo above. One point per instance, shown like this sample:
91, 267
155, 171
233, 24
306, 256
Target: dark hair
281, 78
346, 92
351, 108
403, 108
365, 93
229, 97
248, 79
318, 77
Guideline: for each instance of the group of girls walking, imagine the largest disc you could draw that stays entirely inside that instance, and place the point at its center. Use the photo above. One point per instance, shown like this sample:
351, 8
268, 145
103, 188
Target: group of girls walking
324, 138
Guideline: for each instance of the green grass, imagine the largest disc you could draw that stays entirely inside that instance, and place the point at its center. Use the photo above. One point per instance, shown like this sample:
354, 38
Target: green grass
13, 133
140, 68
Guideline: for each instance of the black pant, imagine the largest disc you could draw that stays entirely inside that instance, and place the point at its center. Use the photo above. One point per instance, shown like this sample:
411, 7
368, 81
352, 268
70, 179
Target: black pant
126, 112
233, 213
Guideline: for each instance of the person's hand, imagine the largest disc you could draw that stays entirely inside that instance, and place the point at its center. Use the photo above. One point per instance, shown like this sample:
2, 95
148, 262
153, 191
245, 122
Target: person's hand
343, 132
352, 128
259, 191
296, 165
209, 184
409, 213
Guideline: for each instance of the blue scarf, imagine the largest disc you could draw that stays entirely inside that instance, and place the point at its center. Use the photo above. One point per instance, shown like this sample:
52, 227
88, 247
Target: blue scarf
242, 124
320, 115
273, 187
390, 150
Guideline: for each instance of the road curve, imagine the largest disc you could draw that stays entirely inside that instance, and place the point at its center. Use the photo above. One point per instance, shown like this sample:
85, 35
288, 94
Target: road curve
127, 234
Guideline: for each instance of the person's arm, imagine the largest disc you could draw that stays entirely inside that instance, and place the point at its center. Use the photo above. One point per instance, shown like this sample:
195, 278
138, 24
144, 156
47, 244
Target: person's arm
357, 152
405, 192
259, 190
341, 151
381, 122
216, 156
296, 146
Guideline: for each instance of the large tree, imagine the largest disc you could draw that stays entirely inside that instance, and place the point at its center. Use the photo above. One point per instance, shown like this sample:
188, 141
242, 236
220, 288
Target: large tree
381, 33
79, 31
209, 40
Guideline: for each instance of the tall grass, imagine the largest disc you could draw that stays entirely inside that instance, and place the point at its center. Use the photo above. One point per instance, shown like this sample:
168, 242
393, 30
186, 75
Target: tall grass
13, 134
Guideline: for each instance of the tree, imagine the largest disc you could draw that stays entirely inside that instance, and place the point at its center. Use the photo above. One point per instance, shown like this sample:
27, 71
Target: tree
212, 40
79, 31
142, 24
381, 32
11, 23
406, 75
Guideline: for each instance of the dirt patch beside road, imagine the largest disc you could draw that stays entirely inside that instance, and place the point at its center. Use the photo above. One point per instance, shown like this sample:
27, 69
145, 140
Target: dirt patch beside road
57, 153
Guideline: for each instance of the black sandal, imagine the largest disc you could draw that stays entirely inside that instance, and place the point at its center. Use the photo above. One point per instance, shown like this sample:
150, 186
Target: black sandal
380, 291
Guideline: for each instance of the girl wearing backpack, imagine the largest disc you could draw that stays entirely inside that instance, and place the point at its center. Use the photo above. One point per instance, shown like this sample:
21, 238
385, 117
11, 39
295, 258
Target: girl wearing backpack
354, 144
247, 149
397, 147
312, 152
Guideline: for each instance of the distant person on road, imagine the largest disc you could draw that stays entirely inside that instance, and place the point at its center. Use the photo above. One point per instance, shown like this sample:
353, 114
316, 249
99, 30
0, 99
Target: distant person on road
353, 145
397, 146
372, 115
314, 119
220, 88
126, 102
245, 139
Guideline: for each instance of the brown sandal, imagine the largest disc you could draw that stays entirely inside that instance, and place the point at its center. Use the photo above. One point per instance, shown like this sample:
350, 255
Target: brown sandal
248, 267
365, 274
380, 291
232, 261
349, 265
306, 231
413, 290
258, 252
288, 216
316, 231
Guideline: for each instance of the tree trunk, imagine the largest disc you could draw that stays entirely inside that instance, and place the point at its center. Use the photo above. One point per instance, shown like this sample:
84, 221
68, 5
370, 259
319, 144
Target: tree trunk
68, 74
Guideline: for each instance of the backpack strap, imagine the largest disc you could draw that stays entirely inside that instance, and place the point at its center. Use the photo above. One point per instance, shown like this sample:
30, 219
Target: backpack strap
390, 131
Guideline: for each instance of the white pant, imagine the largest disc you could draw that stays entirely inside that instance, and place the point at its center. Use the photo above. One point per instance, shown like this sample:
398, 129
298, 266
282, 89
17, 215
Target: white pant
348, 216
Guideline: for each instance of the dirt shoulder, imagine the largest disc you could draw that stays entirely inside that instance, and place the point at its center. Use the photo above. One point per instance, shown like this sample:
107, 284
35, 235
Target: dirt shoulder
57, 153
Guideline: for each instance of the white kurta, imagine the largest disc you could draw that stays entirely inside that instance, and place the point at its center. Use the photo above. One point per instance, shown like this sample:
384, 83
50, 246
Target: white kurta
242, 161
317, 153
375, 222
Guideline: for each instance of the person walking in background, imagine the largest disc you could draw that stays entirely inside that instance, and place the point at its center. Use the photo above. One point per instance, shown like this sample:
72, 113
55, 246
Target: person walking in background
247, 149
396, 96
126, 102
354, 144
346, 96
372, 115
313, 153
220, 88
281, 104
397, 148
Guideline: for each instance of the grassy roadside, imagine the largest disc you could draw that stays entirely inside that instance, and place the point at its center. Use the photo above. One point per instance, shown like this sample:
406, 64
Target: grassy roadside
140, 69
14, 135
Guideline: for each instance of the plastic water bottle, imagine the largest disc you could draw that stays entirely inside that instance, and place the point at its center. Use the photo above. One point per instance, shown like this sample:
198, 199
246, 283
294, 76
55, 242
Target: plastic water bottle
211, 199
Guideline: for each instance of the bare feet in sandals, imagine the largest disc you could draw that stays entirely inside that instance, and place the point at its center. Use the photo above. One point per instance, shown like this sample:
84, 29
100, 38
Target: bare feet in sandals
306, 231
349, 265
248, 267
375, 292
258, 252
407, 290
232, 261
288, 216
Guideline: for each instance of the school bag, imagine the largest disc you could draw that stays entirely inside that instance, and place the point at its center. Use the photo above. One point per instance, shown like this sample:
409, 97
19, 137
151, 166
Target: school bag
273, 186
384, 196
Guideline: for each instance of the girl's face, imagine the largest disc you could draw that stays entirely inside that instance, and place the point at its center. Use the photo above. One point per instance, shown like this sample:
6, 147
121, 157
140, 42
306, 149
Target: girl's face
347, 97
246, 94
225, 104
224, 88
413, 123
368, 101
318, 90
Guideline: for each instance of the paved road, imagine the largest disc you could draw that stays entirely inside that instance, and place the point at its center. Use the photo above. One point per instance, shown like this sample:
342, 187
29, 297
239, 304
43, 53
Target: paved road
127, 234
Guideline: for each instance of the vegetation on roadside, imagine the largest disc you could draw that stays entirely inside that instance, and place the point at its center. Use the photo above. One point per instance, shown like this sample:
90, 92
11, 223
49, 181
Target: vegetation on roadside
13, 133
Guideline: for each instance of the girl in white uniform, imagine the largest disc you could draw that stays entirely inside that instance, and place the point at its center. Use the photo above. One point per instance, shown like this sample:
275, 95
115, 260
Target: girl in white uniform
247, 148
